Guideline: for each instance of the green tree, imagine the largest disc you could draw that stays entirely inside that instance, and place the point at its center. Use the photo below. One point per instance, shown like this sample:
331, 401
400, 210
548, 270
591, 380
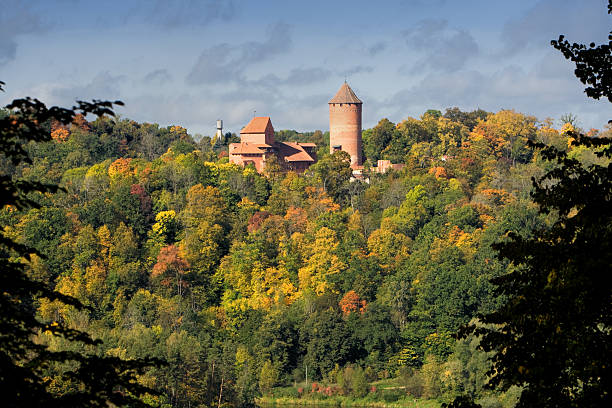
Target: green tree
268, 377
469, 119
359, 383
333, 172
375, 140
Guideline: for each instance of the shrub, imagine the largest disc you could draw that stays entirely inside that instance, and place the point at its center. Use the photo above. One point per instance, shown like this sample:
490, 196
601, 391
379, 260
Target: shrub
268, 377
414, 385
359, 384
392, 395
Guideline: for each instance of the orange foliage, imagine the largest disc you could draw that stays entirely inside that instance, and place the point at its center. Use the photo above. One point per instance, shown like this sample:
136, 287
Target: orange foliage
297, 219
60, 135
438, 172
350, 303
144, 173
495, 143
169, 259
171, 268
497, 196
319, 202
119, 166
80, 122
592, 132
56, 124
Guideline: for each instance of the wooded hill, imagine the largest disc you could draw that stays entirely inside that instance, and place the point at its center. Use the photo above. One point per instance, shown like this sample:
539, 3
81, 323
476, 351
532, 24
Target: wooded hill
241, 281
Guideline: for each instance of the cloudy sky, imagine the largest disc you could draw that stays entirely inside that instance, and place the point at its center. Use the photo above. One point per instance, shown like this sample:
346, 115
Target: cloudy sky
191, 62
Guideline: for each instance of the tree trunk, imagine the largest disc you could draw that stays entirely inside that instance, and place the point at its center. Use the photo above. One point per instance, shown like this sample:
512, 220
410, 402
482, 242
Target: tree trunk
220, 393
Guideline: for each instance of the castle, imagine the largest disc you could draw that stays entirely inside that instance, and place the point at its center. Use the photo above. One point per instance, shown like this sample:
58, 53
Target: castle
257, 144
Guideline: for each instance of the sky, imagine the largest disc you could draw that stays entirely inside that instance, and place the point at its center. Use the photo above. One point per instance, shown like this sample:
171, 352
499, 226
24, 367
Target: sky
192, 62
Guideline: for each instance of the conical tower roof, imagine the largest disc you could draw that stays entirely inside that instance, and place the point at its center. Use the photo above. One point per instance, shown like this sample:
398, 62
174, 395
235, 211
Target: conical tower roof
345, 95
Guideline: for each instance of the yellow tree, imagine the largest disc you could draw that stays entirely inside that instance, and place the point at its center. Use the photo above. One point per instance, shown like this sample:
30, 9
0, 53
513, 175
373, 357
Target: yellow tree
271, 286
321, 262
506, 133
388, 247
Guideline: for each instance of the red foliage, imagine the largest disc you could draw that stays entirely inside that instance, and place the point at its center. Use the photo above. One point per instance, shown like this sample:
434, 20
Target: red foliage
257, 220
169, 260
145, 201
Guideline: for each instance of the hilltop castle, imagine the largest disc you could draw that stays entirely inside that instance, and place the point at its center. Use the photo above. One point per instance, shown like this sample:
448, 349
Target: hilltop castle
257, 144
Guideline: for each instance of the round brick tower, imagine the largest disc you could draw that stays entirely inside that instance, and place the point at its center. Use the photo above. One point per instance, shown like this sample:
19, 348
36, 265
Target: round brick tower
345, 124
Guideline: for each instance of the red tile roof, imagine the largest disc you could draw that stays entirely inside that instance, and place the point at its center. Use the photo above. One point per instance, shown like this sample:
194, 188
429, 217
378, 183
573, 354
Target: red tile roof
258, 124
245, 148
289, 151
293, 152
345, 95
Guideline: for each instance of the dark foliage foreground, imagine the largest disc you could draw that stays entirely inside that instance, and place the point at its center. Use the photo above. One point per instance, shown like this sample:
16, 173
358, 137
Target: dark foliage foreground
95, 381
553, 335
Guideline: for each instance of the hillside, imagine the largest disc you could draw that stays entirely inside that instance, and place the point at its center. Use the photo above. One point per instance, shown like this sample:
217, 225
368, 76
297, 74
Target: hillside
243, 281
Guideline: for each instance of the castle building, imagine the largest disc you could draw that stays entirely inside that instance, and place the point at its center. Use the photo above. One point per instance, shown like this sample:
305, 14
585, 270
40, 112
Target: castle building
345, 124
257, 146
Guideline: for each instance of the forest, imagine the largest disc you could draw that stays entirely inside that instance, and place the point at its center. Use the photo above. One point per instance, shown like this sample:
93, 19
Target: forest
283, 284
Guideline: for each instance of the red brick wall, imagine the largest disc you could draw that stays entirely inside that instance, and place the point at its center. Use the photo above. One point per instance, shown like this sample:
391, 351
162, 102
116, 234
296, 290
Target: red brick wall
243, 160
257, 138
345, 129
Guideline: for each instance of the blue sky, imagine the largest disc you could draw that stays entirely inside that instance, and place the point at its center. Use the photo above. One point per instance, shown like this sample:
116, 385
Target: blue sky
194, 61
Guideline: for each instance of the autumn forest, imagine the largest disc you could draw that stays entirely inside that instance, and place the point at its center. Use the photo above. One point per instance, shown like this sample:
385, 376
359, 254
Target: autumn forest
140, 267
246, 283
